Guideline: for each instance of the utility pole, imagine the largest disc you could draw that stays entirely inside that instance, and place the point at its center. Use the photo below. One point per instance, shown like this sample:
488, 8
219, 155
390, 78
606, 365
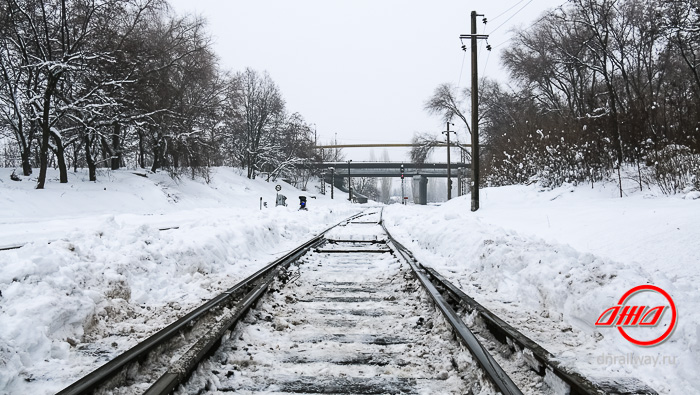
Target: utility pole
475, 110
323, 183
449, 179
349, 182
461, 184
403, 192
475, 118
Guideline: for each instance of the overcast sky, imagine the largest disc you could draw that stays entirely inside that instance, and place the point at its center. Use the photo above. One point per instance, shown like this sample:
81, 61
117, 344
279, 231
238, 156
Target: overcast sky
361, 69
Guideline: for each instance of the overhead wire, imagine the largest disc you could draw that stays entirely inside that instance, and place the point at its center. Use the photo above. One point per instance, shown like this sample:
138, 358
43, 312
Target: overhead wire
481, 44
511, 17
461, 70
531, 25
506, 11
481, 47
488, 56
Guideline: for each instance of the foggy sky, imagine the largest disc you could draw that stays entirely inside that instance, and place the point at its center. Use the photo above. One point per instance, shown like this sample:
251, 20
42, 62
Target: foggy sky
361, 69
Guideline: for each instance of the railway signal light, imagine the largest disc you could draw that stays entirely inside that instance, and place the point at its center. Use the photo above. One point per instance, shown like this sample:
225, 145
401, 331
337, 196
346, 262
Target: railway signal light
402, 169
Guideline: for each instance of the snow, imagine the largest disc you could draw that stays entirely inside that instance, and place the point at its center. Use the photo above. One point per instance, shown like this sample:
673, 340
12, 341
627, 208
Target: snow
551, 261
342, 321
71, 305
97, 274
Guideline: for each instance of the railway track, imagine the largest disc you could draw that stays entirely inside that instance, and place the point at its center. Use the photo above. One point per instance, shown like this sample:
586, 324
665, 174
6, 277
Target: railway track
350, 318
351, 311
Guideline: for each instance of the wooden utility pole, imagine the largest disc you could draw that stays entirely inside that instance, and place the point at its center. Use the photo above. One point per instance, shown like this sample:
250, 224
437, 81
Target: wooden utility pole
475, 118
475, 111
449, 179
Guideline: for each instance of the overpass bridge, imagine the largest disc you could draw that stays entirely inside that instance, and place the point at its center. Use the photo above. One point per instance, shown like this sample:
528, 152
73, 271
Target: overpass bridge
389, 169
336, 172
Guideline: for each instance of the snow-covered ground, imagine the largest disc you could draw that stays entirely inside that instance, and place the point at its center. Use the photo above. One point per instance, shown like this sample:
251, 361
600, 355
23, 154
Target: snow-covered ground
109, 276
550, 262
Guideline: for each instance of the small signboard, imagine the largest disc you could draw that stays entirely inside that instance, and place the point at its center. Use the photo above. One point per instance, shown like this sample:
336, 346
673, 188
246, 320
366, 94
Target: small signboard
278, 187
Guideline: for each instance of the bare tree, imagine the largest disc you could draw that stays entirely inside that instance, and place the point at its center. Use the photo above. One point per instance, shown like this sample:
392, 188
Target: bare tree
260, 102
424, 144
681, 24
446, 103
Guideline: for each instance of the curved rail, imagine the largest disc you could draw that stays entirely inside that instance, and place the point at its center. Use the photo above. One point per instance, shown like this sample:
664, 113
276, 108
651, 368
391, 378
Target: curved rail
252, 287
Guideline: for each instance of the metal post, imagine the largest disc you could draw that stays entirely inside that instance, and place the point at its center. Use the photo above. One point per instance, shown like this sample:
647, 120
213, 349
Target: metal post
349, 182
449, 179
463, 173
323, 183
403, 193
475, 118
332, 180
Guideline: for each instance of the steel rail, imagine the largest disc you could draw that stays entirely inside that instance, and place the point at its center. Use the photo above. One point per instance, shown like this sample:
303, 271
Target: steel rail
544, 361
104, 373
493, 370
502, 331
169, 381
539, 359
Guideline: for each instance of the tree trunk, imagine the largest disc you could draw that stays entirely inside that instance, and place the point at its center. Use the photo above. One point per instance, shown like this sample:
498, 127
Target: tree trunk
116, 149
176, 159
76, 149
142, 154
249, 163
106, 151
159, 148
26, 165
44, 159
60, 158
45, 133
45, 130
92, 169
24, 148
157, 155
156, 159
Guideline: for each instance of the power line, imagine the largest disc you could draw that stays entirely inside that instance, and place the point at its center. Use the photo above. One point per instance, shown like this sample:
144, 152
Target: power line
488, 56
461, 69
488, 47
532, 24
511, 17
506, 11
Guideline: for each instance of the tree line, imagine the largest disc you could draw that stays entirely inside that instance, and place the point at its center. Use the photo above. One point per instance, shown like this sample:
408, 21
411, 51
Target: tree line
595, 86
129, 83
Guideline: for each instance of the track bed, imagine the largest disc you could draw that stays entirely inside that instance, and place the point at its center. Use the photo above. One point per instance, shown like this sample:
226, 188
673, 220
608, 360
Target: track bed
348, 318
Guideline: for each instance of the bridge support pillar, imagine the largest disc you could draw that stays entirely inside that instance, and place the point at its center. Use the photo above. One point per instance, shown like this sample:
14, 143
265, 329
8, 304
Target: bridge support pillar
420, 189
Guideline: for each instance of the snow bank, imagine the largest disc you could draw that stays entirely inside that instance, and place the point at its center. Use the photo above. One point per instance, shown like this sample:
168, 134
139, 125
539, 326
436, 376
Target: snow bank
110, 277
553, 292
